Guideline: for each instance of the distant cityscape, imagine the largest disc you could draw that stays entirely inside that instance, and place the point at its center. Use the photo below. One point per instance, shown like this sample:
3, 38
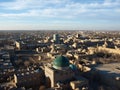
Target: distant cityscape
59, 60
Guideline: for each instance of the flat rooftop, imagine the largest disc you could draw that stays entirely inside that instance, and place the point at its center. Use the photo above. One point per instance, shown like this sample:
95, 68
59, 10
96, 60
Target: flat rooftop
111, 69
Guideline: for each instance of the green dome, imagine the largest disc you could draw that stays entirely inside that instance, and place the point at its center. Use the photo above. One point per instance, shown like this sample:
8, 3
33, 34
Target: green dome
61, 61
73, 67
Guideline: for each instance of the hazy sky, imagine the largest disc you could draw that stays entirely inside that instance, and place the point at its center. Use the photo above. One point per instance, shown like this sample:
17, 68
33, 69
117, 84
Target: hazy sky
60, 14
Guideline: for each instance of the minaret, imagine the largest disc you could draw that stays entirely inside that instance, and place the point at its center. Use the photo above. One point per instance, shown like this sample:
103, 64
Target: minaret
56, 38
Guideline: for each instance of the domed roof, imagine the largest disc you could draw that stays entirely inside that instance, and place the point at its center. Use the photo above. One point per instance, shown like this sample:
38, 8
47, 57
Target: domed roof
73, 67
61, 61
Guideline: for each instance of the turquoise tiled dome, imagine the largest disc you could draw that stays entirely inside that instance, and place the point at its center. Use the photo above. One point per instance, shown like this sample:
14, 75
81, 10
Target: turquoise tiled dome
61, 61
